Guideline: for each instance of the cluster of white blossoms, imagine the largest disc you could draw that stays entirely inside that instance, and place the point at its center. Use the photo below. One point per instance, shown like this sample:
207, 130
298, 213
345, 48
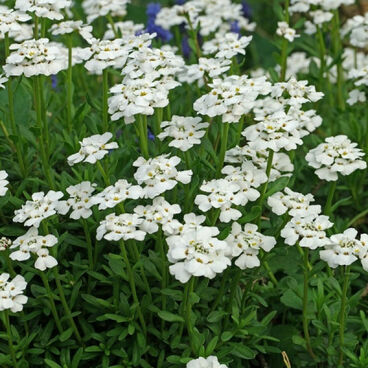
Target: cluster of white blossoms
116, 227
11, 293
209, 16
226, 46
40, 207
117, 193
284, 30
197, 252
209, 362
206, 68
344, 249
11, 21
336, 155
3, 182
281, 164
149, 75
38, 245
35, 57
80, 199
245, 244
101, 8
93, 148
185, 131
5, 243
309, 231
159, 213
223, 194
360, 78
232, 97
51, 9
357, 29
126, 29
293, 203
71, 26
159, 174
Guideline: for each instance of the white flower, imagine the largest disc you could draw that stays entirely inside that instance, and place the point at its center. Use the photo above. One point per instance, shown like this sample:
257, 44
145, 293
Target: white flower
125, 226
319, 16
44, 8
363, 252
245, 244
293, 203
209, 362
10, 21
186, 131
80, 199
11, 293
71, 26
40, 207
3, 80
3, 182
117, 193
35, 57
101, 8
32, 243
356, 96
285, 31
197, 253
159, 174
93, 148
341, 249
309, 231
126, 28
161, 213
5, 243
356, 28
336, 155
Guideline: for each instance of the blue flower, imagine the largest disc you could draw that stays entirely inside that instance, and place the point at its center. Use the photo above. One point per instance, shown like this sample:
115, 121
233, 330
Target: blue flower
185, 47
247, 10
234, 27
152, 11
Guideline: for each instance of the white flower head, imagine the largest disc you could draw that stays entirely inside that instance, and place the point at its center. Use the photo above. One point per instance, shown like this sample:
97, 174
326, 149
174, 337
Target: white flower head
3, 182
285, 31
51, 9
11, 293
93, 148
209, 362
71, 26
101, 8
80, 199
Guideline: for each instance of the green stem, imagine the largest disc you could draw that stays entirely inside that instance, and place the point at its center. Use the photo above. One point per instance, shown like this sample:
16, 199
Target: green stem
142, 129
224, 139
188, 311
195, 40
69, 81
52, 302
343, 314
103, 173
112, 23
164, 272
105, 91
284, 47
66, 306
330, 196
132, 285
35, 27
10, 338
305, 302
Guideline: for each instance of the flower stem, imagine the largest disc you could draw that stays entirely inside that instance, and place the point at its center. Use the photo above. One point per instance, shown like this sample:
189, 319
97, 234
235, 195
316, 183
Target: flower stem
132, 285
284, 47
306, 265
6, 321
330, 196
224, 138
66, 306
69, 82
188, 310
105, 91
103, 173
52, 302
142, 129
343, 314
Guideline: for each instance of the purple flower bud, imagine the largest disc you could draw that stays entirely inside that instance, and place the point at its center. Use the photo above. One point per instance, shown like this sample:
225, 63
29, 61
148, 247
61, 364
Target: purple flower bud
185, 47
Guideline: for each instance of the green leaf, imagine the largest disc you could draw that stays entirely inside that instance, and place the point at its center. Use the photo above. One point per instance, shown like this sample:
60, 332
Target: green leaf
250, 216
170, 317
66, 334
211, 346
215, 316
52, 364
242, 351
277, 186
291, 299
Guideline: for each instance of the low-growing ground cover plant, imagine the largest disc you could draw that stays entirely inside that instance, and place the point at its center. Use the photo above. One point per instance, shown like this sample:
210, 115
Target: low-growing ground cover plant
183, 183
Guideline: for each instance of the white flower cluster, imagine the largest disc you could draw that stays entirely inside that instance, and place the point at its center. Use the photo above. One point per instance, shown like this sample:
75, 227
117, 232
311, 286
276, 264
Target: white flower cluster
40, 207
5, 243
80, 200
284, 30
32, 243
117, 193
11, 293
71, 26
101, 8
159, 174
185, 131
360, 78
197, 252
126, 29
232, 97
281, 164
51, 9
357, 29
336, 155
294, 203
3, 182
35, 57
93, 148
246, 243
10, 21
209, 16
209, 362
